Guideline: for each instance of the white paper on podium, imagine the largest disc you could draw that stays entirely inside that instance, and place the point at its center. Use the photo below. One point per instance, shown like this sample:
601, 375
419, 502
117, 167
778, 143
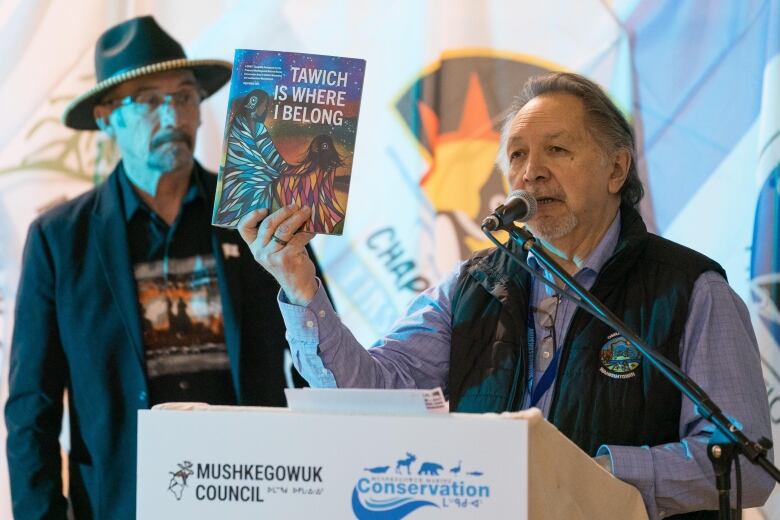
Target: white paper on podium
363, 401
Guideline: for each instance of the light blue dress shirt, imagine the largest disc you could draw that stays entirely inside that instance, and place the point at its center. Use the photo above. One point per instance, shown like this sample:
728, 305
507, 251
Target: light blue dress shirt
718, 350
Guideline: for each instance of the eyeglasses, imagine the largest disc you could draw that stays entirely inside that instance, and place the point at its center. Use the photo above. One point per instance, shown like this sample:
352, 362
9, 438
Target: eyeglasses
186, 98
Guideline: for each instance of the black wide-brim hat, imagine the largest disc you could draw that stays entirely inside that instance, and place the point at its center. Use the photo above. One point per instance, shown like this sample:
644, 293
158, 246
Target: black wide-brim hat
135, 48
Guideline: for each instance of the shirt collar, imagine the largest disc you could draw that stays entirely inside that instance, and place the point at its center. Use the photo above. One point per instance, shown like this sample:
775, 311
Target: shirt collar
599, 256
133, 202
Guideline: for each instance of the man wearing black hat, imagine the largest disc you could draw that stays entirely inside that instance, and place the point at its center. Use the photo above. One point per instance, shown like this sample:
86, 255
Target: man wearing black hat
128, 297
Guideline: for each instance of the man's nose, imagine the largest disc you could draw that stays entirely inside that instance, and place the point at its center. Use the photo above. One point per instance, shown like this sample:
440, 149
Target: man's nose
169, 113
535, 168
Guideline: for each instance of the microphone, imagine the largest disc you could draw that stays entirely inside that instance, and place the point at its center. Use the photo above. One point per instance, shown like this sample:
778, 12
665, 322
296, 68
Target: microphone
518, 206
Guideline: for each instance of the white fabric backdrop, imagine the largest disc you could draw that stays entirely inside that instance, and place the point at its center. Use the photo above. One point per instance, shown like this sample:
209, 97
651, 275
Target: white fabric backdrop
425, 146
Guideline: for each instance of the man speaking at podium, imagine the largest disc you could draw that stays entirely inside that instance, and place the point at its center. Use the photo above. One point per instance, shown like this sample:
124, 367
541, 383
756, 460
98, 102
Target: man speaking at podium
566, 144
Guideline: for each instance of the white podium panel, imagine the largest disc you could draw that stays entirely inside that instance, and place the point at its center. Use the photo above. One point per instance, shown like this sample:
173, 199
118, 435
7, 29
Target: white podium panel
251, 463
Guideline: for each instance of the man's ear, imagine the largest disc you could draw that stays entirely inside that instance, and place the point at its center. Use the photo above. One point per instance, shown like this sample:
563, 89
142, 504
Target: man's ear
621, 163
101, 114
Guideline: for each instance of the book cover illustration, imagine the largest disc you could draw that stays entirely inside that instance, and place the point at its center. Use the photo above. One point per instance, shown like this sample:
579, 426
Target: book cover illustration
289, 136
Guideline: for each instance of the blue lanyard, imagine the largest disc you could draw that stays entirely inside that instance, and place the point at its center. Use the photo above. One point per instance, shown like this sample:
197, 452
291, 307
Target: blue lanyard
547, 379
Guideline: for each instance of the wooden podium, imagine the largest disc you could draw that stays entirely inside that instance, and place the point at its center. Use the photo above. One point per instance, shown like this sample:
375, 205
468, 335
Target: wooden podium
233, 463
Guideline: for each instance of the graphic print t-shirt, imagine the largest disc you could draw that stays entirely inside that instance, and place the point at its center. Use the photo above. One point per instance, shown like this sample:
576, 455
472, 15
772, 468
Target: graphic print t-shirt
183, 329
179, 300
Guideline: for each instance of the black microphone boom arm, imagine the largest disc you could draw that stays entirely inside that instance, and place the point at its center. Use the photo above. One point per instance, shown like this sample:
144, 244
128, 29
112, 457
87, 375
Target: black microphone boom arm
755, 452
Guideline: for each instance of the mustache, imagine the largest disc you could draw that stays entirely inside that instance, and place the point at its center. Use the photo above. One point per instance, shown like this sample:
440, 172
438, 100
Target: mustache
170, 136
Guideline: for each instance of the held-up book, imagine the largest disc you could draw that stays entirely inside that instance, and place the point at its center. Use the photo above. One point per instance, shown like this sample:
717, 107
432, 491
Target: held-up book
289, 136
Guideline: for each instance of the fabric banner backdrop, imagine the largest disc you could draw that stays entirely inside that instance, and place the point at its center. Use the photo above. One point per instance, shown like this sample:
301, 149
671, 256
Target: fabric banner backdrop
699, 80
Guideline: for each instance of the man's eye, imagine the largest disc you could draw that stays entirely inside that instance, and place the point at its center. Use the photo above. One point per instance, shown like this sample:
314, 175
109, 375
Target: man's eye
517, 154
151, 100
185, 96
557, 149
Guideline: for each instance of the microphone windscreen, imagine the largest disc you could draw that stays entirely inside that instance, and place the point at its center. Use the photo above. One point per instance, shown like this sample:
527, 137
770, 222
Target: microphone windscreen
520, 205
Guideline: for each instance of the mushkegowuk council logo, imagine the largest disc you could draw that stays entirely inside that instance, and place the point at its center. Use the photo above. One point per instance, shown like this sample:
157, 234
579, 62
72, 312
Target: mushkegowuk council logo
249, 483
396, 490
178, 481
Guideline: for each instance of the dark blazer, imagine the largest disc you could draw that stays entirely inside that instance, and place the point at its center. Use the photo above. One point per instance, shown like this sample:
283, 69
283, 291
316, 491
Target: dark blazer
78, 327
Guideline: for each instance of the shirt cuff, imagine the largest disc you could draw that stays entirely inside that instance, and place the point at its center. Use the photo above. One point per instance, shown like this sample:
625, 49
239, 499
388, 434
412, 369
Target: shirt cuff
317, 321
306, 326
634, 465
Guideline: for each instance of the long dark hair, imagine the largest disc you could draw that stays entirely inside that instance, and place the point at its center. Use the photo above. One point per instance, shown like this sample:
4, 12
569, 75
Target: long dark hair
247, 105
320, 155
605, 121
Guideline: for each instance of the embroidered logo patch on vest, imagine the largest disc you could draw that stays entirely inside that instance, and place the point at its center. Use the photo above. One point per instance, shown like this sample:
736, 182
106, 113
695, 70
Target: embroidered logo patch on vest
619, 359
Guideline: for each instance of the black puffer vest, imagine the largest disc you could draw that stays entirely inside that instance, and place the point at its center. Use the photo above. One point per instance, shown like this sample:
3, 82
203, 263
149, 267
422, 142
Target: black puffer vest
597, 399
